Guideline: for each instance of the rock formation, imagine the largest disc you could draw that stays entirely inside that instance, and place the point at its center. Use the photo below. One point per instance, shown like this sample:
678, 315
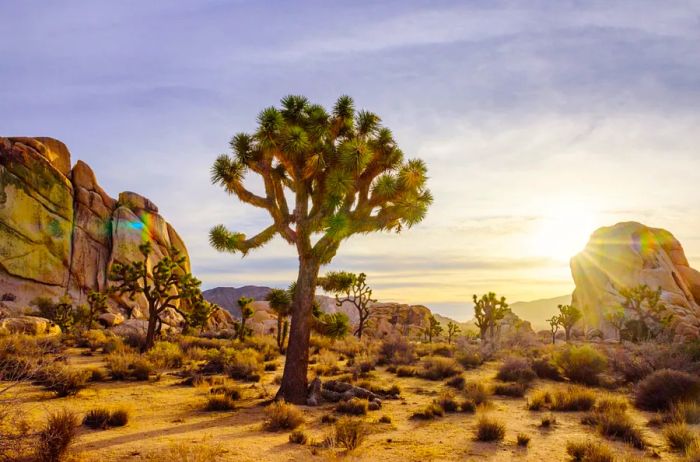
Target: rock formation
60, 231
630, 254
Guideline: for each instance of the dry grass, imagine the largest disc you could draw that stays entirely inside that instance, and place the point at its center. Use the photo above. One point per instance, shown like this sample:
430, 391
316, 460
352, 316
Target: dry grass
513, 390
349, 433
429, 412
438, 368
354, 406
680, 437
298, 437
186, 452
489, 429
55, 438
283, 416
589, 451
569, 399
219, 403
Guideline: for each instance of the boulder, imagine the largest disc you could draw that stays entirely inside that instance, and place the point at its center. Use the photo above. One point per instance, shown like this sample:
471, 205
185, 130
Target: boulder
111, 319
30, 325
630, 254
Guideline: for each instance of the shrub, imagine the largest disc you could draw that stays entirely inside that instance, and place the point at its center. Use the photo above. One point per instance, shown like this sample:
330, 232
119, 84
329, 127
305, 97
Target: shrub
118, 418
523, 440
516, 369
540, 399
349, 433
128, 366
457, 382
589, 451
64, 380
243, 364
354, 406
548, 420
616, 424
431, 411
406, 371
385, 419
327, 363
514, 390
660, 390
546, 369
166, 355
489, 429
611, 405
217, 403
448, 402
476, 392
469, 359
97, 418
391, 391
298, 437
438, 368
270, 367
141, 369
233, 393
97, 375
397, 350
56, 436
573, 399
679, 437
282, 416
633, 362
685, 412
329, 418
582, 364
468, 406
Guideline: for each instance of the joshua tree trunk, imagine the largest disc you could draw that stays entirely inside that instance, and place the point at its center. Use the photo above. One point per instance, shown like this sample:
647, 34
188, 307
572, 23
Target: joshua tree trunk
567, 333
279, 333
241, 333
293, 388
151, 332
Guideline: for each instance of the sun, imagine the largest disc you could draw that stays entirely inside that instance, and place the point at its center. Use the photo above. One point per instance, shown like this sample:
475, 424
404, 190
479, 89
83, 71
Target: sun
563, 230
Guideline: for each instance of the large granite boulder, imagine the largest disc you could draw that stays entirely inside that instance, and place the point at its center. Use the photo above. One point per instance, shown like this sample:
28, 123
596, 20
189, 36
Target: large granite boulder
29, 325
629, 254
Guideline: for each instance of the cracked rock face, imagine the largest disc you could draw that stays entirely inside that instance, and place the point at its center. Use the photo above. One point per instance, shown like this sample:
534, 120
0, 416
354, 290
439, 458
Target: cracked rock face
627, 255
60, 231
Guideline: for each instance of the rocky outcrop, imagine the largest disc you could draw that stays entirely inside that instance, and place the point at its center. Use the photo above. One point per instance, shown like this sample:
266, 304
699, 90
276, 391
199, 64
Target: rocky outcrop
627, 255
60, 231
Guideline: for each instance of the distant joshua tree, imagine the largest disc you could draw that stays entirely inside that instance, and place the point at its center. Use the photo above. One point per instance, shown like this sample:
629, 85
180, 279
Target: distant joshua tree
244, 303
434, 329
648, 308
346, 176
452, 330
569, 315
617, 319
97, 305
281, 303
163, 287
488, 313
356, 291
554, 323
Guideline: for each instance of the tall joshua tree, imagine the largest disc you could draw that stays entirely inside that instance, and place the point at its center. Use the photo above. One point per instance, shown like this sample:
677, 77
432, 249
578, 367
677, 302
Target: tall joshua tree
163, 287
244, 303
488, 312
281, 304
356, 291
569, 315
345, 175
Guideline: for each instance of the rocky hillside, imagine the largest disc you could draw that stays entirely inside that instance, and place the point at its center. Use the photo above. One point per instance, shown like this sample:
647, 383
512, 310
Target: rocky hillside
60, 231
629, 254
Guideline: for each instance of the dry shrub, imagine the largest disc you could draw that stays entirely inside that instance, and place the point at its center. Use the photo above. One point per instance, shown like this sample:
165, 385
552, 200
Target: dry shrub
513, 390
298, 437
354, 406
515, 369
166, 355
64, 380
128, 366
97, 418
349, 433
448, 402
397, 350
429, 412
635, 361
232, 392
489, 429
406, 371
476, 392
523, 440
614, 423
118, 418
438, 368
469, 357
545, 369
589, 451
548, 420
186, 452
457, 382
218, 403
661, 389
92, 339
392, 391
685, 412
329, 418
283, 416
569, 399
582, 364
264, 345
385, 419
327, 363
246, 364
680, 437
56, 436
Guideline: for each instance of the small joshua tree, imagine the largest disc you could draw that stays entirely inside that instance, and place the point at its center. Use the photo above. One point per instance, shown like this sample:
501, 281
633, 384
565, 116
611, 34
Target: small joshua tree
554, 323
346, 176
488, 313
163, 287
617, 319
62, 312
281, 303
569, 315
452, 330
97, 305
646, 305
356, 291
434, 329
201, 312
244, 303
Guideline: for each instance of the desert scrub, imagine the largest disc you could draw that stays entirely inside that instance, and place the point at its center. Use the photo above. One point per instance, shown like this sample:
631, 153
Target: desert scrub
65, 380
397, 350
217, 403
264, 345
118, 417
385, 419
523, 440
166, 355
128, 366
475, 392
569, 399
186, 452
489, 429
354, 406
229, 391
469, 358
55, 438
438, 368
392, 391
429, 412
282, 416
679, 437
589, 451
349, 433
544, 368
513, 390
685, 412
448, 402
298, 437
457, 382
582, 364
548, 420
327, 363
406, 371
661, 389
515, 369
615, 424
246, 364
97, 418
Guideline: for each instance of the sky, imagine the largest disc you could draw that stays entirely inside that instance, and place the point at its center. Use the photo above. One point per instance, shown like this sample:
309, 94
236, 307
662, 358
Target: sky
539, 121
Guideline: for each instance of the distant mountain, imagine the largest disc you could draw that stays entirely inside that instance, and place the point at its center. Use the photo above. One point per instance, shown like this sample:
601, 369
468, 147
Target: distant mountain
538, 311
227, 297
464, 326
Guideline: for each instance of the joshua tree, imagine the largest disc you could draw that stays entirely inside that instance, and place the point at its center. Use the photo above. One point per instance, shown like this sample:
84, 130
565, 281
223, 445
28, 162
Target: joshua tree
345, 174
166, 286
554, 323
62, 313
356, 292
246, 312
332, 325
569, 315
452, 330
434, 329
488, 313
616, 318
200, 313
646, 304
281, 303
97, 304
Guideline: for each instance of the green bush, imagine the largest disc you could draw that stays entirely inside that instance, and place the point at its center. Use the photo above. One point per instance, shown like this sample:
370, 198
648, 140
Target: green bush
582, 364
